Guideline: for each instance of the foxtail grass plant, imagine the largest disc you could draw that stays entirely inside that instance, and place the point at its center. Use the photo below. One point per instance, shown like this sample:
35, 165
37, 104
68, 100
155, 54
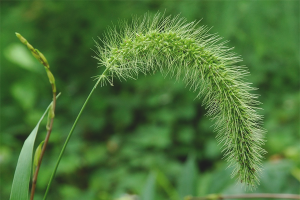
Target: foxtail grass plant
187, 51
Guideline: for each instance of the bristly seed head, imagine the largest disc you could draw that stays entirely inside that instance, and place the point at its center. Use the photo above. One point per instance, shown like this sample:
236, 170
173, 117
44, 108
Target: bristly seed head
187, 51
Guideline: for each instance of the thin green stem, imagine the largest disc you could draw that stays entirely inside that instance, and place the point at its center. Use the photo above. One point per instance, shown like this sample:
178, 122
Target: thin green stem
246, 196
71, 132
35, 176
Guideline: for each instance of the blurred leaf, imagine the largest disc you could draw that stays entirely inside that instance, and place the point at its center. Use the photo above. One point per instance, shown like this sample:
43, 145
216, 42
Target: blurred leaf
149, 188
187, 180
69, 164
212, 150
152, 136
221, 179
278, 172
25, 93
20, 185
19, 54
204, 184
69, 191
296, 173
95, 154
186, 134
163, 182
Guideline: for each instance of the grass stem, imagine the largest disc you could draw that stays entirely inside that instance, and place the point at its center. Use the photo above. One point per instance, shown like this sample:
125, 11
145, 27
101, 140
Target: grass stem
71, 132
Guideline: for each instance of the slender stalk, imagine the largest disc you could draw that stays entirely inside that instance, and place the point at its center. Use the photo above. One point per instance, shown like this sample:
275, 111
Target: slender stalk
71, 132
42, 59
35, 176
246, 196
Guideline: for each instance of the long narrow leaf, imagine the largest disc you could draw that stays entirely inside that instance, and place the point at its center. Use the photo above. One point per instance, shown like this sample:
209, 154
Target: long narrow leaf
20, 186
149, 188
188, 178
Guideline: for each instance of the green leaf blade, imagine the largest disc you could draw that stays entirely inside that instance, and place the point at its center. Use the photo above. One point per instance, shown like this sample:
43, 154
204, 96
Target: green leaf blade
149, 188
188, 179
20, 185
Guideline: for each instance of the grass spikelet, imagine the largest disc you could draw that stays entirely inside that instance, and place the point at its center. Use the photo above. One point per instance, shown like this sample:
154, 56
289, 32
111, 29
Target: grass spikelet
187, 51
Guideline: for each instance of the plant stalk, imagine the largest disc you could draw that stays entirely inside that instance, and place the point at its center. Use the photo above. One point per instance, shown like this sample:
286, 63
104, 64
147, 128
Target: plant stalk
71, 132
35, 176
246, 196
42, 59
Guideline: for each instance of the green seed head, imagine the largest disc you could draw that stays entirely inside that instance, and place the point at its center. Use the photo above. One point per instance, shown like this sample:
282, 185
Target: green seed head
187, 51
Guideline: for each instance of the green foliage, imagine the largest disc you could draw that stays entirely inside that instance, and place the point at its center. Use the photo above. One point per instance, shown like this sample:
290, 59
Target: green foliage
115, 145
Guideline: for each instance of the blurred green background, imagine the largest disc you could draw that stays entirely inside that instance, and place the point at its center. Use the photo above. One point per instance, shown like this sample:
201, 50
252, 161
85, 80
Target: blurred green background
147, 137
